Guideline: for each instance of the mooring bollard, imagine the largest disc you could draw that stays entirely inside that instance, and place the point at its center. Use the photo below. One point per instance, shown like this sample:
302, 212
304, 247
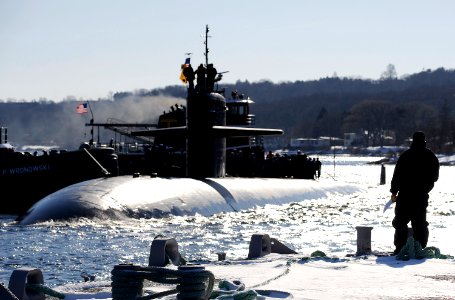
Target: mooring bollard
192, 282
221, 256
126, 286
164, 250
260, 245
363, 240
19, 279
382, 181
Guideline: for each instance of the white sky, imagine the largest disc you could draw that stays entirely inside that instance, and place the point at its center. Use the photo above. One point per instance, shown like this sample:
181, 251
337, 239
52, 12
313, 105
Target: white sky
87, 49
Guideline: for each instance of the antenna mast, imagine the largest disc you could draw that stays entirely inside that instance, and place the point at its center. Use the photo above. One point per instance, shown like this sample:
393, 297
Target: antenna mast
206, 45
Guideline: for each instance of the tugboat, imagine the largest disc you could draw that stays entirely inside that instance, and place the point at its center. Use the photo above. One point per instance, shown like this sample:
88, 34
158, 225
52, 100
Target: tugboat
27, 177
245, 154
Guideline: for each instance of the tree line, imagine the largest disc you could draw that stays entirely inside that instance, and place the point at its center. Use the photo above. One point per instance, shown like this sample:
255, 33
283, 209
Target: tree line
326, 107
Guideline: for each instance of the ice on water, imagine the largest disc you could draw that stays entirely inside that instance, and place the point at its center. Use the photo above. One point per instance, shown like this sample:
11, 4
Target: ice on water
63, 250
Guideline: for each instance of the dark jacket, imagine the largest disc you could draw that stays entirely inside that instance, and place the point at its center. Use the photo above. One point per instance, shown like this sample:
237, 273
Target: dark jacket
416, 171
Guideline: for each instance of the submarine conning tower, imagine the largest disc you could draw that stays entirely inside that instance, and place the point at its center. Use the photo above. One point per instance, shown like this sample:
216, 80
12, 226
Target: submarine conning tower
205, 129
205, 151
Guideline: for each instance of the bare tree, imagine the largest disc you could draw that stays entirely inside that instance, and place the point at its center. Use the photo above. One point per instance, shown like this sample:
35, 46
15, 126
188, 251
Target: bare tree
413, 116
371, 117
390, 73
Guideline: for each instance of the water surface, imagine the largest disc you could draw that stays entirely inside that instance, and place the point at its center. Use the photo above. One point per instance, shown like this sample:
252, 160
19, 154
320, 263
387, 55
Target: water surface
63, 250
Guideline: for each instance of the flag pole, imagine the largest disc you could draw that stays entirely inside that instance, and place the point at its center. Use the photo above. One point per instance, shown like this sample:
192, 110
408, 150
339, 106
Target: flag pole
92, 121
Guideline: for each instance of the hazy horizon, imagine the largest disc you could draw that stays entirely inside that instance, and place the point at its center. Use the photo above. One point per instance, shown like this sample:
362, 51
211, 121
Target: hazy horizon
89, 50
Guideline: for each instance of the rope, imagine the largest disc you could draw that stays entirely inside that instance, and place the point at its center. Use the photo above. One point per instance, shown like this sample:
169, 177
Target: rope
413, 250
234, 290
285, 272
319, 255
39, 288
243, 295
127, 282
103, 169
314, 255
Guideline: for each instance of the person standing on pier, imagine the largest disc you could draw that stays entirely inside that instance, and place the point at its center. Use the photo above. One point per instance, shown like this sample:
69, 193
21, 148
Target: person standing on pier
416, 171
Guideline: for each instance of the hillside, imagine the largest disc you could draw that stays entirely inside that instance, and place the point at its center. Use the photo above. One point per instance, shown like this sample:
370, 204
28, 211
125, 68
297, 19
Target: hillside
325, 107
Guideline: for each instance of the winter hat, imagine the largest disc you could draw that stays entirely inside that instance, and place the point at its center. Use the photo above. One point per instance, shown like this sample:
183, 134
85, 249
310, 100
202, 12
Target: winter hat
418, 137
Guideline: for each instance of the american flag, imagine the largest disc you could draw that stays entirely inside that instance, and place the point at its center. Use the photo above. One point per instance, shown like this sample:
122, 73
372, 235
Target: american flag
82, 108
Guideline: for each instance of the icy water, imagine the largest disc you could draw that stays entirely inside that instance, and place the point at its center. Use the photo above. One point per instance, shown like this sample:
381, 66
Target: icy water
64, 250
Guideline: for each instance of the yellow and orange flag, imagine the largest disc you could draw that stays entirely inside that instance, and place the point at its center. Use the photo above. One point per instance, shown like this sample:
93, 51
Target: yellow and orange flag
184, 66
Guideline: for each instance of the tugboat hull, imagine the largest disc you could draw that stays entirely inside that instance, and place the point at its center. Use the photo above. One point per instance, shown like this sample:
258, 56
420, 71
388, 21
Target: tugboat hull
26, 178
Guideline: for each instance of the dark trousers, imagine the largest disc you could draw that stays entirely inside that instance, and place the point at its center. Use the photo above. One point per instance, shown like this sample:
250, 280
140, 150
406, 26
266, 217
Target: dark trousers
411, 210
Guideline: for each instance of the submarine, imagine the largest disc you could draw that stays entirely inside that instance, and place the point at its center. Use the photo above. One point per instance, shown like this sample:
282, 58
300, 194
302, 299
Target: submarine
204, 189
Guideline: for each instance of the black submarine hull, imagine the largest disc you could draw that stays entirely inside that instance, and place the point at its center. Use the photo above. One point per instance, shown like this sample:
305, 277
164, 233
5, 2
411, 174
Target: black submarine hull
147, 197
